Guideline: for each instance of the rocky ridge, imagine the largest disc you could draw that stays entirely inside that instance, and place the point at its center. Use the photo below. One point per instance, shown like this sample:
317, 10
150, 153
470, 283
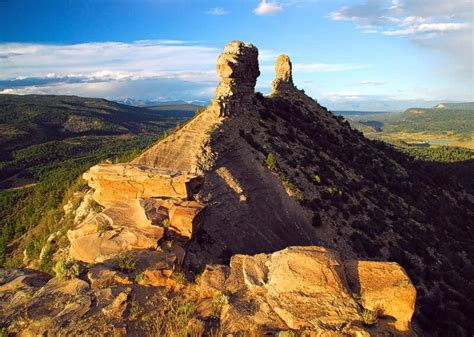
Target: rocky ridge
198, 199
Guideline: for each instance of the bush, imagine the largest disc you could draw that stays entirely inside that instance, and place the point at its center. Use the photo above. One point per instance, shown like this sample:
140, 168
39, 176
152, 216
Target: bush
66, 269
272, 162
315, 178
126, 263
173, 318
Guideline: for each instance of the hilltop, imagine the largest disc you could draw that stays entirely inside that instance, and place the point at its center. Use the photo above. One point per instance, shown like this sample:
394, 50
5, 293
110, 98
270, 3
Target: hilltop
281, 209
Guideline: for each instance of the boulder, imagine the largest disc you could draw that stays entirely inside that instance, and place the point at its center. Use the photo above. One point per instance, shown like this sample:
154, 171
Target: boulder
118, 306
384, 286
117, 182
98, 247
118, 228
155, 267
184, 218
212, 280
298, 287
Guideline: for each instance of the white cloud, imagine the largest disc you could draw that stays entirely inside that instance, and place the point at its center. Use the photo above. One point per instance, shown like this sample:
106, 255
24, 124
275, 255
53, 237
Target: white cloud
267, 8
46, 68
217, 11
433, 24
426, 28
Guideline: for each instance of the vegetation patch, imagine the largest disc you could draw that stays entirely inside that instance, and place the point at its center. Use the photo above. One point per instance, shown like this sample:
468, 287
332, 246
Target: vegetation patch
66, 269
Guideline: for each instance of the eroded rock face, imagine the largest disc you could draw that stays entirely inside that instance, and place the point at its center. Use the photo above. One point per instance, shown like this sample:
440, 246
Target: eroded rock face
305, 287
283, 75
184, 218
238, 70
121, 227
298, 287
117, 182
386, 286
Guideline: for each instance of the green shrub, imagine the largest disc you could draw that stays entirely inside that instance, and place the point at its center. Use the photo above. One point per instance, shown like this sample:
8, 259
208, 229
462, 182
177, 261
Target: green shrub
126, 262
217, 303
272, 162
179, 277
103, 227
66, 269
140, 278
315, 178
173, 318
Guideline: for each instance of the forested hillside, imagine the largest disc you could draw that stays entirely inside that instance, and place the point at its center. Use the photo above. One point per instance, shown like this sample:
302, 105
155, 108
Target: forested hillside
47, 142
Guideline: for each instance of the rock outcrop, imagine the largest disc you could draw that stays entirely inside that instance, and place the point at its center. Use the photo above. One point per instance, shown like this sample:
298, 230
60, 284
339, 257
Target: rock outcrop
114, 183
283, 81
305, 288
384, 286
299, 288
238, 69
141, 204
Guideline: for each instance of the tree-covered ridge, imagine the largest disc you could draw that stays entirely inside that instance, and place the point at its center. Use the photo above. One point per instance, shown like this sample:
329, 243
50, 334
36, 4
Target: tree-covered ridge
32, 119
431, 120
55, 167
440, 154
47, 142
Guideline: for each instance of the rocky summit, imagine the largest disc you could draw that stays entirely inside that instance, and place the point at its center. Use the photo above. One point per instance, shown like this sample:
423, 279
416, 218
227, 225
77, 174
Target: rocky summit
260, 215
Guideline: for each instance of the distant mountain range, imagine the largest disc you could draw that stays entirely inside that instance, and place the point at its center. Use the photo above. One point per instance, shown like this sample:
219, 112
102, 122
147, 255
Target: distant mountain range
149, 102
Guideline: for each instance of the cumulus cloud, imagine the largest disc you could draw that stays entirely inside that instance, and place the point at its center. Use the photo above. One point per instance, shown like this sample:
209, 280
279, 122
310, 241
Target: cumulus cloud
267, 8
217, 11
433, 24
108, 69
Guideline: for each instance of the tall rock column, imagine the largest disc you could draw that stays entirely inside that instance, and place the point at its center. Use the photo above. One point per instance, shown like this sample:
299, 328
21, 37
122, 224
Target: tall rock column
283, 81
238, 69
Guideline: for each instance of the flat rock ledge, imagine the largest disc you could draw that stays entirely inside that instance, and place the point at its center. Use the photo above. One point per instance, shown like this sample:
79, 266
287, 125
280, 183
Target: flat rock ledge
117, 182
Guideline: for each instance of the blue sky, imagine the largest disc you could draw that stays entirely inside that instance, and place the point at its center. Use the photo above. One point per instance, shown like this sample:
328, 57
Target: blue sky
345, 53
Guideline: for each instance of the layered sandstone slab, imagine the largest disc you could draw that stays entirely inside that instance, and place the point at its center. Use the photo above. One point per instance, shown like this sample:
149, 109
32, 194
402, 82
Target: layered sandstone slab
305, 287
298, 287
384, 286
117, 182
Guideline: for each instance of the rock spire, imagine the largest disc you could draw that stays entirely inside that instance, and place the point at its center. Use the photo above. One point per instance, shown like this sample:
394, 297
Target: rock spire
238, 70
283, 75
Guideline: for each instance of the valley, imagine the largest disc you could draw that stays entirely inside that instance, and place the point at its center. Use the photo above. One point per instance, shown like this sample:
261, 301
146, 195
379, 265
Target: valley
446, 124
